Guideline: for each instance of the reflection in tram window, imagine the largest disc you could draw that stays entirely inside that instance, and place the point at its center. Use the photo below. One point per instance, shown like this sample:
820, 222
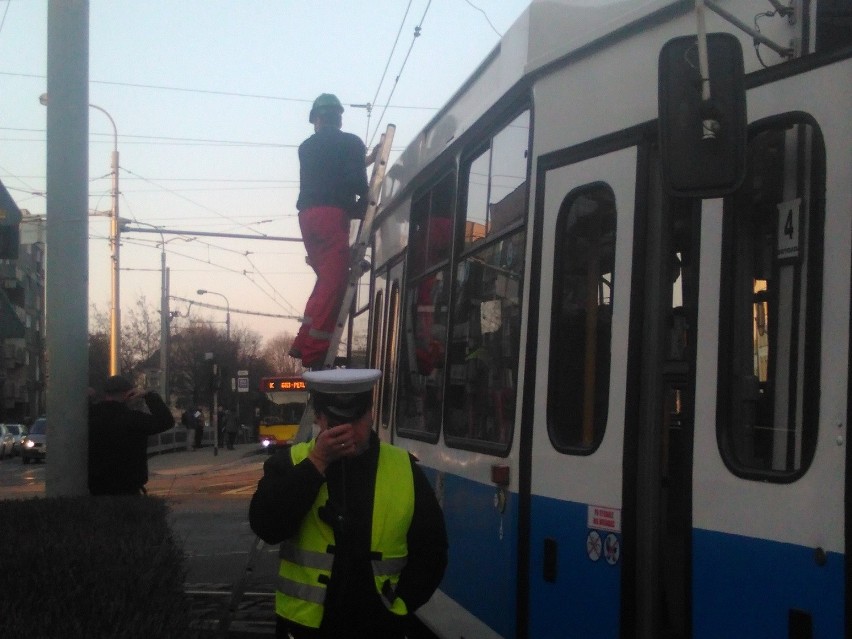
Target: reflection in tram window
496, 183
431, 226
581, 328
769, 346
483, 357
423, 348
423, 356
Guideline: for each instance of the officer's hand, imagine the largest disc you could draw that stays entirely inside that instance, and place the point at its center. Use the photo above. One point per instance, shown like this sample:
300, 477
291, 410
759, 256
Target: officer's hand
332, 444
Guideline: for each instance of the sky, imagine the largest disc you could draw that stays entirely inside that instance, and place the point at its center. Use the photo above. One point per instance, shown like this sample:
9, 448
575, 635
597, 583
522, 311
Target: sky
210, 100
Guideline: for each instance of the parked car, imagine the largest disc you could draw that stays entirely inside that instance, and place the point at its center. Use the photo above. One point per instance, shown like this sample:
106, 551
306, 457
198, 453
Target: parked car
7, 441
34, 445
19, 431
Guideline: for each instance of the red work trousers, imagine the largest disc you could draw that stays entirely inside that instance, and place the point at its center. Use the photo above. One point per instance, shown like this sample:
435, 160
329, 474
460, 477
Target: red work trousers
325, 232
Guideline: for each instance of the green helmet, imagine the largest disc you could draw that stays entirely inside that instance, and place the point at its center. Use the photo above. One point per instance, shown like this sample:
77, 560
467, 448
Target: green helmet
325, 102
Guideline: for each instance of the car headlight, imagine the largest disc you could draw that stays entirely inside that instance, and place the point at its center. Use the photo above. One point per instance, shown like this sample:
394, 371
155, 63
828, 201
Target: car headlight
29, 443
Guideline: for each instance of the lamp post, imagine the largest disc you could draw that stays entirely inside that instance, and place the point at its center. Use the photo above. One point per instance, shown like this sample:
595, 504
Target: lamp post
114, 236
165, 314
202, 291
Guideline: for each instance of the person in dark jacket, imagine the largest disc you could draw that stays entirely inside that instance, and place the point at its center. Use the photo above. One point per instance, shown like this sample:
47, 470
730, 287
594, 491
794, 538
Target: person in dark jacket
363, 542
118, 437
333, 189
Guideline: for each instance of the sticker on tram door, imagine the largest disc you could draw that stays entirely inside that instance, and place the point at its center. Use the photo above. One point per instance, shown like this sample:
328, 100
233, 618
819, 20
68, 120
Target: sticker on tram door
594, 545
612, 549
604, 518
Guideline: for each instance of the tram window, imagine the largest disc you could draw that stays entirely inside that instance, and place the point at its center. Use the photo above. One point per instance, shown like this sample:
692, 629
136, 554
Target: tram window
770, 306
496, 183
483, 357
389, 367
430, 232
581, 323
422, 357
376, 336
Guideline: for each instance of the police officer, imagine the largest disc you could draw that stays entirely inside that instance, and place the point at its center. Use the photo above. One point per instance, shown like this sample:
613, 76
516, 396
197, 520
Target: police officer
363, 543
333, 189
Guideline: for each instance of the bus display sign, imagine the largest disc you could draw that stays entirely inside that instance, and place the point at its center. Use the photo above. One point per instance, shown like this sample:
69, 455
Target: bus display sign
271, 384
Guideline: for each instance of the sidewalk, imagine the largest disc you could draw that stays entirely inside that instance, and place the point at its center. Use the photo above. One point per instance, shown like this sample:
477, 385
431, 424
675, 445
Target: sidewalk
196, 462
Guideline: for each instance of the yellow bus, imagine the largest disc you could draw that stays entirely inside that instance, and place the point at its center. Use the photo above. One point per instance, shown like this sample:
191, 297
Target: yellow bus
290, 397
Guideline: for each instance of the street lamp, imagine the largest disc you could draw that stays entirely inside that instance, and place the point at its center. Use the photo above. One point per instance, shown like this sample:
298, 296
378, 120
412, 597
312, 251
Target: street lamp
114, 236
202, 291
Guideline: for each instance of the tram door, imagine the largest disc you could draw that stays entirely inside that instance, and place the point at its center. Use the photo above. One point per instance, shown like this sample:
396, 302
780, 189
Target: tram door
610, 475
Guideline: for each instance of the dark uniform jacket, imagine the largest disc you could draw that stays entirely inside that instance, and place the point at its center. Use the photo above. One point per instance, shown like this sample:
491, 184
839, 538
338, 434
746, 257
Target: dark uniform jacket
353, 608
118, 444
333, 172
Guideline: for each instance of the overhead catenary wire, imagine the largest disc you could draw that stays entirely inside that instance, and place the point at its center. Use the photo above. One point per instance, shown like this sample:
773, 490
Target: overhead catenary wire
417, 31
205, 91
371, 104
216, 307
271, 292
5, 12
487, 19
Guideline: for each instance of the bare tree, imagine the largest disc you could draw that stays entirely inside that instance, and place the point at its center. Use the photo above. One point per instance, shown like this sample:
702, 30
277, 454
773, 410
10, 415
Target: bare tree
140, 334
276, 357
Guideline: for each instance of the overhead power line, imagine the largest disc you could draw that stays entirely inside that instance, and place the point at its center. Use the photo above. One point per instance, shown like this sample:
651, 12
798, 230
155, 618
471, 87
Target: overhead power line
234, 310
254, 96
417, 31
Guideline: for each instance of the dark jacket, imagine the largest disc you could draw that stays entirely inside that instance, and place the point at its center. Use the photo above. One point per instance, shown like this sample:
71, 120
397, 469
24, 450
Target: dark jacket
118, 444
286, 493
332, 171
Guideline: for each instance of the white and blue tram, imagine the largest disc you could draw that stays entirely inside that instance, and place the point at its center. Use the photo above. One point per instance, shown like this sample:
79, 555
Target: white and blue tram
623, 361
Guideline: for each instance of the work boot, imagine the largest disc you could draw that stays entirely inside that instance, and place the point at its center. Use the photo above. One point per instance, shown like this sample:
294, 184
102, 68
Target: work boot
316, 361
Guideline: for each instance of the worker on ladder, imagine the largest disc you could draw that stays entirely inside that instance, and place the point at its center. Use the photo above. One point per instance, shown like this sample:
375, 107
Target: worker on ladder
333, 190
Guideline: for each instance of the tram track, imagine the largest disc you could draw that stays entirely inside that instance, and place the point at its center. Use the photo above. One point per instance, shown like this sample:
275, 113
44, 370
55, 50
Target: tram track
253, 617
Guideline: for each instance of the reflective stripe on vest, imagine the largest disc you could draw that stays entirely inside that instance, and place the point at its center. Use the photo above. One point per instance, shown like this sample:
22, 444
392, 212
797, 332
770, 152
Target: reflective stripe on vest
306, 563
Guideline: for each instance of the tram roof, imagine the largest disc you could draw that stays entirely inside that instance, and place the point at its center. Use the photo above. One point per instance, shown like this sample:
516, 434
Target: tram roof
547, 31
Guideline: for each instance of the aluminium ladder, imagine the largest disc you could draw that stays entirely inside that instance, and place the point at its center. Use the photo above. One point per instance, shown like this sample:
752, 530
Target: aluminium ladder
357, 267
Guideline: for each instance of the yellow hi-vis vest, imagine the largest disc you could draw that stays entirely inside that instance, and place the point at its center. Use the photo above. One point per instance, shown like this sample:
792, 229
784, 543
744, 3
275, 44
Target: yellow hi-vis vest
306, 562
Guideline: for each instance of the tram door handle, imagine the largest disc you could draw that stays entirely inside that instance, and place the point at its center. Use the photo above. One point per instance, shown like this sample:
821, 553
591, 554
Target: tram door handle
551, 556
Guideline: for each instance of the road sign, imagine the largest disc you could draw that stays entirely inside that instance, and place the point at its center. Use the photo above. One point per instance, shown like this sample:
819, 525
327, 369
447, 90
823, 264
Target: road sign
242, 384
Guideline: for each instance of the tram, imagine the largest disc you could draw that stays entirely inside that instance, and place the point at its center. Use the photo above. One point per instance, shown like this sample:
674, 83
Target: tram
612, 312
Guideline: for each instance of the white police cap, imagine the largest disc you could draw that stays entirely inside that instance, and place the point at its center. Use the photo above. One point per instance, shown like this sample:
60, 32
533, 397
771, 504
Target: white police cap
341, 381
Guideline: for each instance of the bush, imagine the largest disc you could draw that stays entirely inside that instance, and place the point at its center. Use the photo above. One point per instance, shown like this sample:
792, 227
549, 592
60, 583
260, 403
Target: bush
90, 567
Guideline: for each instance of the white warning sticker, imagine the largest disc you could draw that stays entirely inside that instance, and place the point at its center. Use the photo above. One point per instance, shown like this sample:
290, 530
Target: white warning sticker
594, 545
604, 518
612, 549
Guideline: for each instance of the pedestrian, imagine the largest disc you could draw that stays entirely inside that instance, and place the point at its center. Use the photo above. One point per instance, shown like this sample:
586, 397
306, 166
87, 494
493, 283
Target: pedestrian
231, 427
363, 542
333, 190
193, 419
220, 426
118, 437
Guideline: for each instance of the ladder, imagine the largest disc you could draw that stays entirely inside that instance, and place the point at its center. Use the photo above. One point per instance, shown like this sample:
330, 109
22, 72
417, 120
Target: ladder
357, 267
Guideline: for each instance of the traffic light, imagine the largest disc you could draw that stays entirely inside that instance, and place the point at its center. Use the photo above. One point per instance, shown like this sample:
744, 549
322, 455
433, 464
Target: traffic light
214, 376
210, 373
10, 222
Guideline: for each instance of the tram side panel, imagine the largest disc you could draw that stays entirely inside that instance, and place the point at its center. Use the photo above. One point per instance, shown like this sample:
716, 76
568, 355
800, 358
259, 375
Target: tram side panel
768, 538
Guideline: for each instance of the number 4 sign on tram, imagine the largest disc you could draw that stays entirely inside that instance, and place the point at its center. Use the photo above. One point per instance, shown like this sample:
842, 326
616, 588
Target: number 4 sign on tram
789, 214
